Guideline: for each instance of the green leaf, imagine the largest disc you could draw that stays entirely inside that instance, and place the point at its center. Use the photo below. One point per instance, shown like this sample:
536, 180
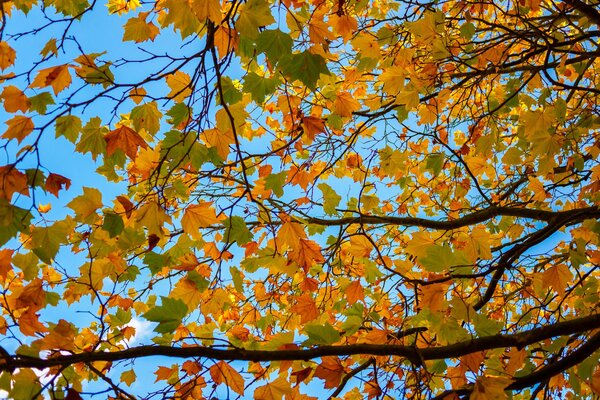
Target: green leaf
441, 258
13, 220
305, 67
177, 114
467, 30
85, 206
259, 87
40, 102
46, 241
92, 139
485, 326
68, 126
330, 199
168, 315
156, 262
231, 93
237, 231
321, 334
146, 116
275, 182
68, 7
113, 224
435, 162
253, 15
275, 44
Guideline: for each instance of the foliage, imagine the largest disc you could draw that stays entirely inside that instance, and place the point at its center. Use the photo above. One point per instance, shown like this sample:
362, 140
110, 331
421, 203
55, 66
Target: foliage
300, 198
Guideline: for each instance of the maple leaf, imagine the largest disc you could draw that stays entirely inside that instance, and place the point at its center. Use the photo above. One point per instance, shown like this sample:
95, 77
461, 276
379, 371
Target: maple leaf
354, 292
14, 99
313, 126
290, 233
197, 216
180, 85
138, 30
5, 262
331, 371
306, 307
558, 276
489, 387
306, 254
58, 77
125, 139
19, 127
61, 337
55, 183
7, 55
222, 372
274, 390
12, 181
210, 9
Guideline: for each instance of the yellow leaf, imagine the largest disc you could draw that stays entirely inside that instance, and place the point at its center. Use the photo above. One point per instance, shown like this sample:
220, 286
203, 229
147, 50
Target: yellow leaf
417, 246
345, 104
58, 77
14, 99
222, 372
152, 216
393, 79
290, 233
128, 377
210, 9
219, 140
137, 94
360, 246
306, 254
345, 25
18, 128
187, 291
433, 297
490, 387
366, 46
557, 276
539, 193
44, 208
273, 390
196, 216
7, 55
180, 85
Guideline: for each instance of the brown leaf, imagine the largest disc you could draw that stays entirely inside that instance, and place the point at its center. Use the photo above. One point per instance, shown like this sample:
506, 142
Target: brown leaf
331, 371
58, 77
55, 183
125, 139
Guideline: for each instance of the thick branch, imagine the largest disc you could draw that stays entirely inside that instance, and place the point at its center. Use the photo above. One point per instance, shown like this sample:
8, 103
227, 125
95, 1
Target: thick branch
413, 354
470, 219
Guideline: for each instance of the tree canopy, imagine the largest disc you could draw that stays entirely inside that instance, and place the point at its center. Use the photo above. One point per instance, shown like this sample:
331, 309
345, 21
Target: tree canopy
296, 199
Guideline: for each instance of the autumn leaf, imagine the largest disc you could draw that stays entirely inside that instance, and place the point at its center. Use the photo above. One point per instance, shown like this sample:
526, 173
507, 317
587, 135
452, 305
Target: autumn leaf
12, 181
306, 254
331, 371
180, 85
55, 183
7, 55
210, 9
19, 127
222, 372
138, 30
274, 390
345, 104
125, 139
5, 262
58, 77
306, 307
489, 387
290, 233
197, 216
14, 99
558, 277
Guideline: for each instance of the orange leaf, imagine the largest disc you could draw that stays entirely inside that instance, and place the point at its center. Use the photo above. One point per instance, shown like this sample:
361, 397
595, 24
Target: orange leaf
595, 382
331, 371
290, 233
124, 139
55, 182
58, 77
14, 99
32, 297
360, 246
137, 94
306, 254
473, 361
306, 307
127, 205
557, 276
18, 128
345, 104
434, 296
273, 390
29, 324
196, 216
5, 262
222, 372
7, 55
171, 375
12, 181
354, 292
62, 337
313, 126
